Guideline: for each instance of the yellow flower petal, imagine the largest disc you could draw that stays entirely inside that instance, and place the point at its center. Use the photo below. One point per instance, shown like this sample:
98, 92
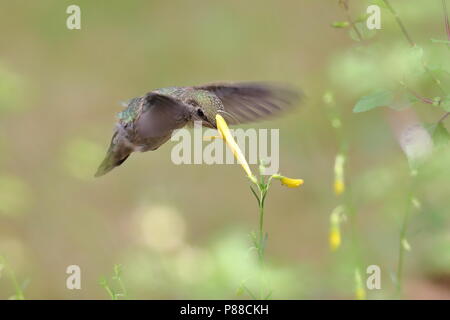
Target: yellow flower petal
222, 127
291, 183
339, 187
335, 238
360, 294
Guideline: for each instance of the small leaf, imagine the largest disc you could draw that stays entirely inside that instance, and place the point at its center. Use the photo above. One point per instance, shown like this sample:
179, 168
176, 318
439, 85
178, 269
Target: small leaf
405, 245
436, 101
416, 53
440, 135
102, 282
379, 3
254, 193
268, 295
363, 31
403, 100
380, 98
340, 24
412, 98
240, 290
445, 103
117, 270
416, 203
362, 17
440, 41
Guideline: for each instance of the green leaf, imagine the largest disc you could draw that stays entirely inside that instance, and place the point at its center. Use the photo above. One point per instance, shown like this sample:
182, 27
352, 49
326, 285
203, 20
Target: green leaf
362, 18
412, 98
380, 98
340, 24
117, 270
439, 41
440, 135
363, 31
416, 54
379, 3
444, 103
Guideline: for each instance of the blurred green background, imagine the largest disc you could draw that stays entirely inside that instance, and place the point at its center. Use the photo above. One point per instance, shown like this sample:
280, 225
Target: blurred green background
183, 231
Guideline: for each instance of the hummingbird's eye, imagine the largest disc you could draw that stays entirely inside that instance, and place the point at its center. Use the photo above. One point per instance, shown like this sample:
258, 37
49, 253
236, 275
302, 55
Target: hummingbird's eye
201, 114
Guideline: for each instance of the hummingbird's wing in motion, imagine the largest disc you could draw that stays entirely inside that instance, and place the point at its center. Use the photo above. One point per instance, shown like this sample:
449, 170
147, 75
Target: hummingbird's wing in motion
161, 115
247, 102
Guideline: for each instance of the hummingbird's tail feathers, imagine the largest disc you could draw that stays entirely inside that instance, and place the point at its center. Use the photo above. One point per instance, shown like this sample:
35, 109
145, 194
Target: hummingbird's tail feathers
248, 102
107, 165
116, 155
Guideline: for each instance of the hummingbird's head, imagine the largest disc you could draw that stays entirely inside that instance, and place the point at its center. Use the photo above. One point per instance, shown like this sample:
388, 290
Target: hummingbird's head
119, 150
206, 116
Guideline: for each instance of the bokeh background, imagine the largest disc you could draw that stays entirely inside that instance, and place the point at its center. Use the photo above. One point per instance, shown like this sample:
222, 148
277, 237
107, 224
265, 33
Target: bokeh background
183, 231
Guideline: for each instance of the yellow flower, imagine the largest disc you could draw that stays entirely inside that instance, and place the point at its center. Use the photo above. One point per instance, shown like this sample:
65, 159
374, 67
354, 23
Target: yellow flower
335, 238
225, 133
335, 230
360, 294
289, 182
339, 185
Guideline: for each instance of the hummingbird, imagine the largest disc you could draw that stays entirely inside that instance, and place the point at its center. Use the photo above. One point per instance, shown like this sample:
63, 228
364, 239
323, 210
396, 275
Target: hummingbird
148, 121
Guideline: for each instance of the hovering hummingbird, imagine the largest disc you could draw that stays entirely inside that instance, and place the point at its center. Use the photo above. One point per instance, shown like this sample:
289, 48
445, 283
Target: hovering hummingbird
148, 121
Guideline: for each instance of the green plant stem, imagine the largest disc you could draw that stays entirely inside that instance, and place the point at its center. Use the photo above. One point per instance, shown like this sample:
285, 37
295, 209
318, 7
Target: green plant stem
19, 291
443, 117
350, 20
349, 206
447, 25
412, 43
250, 293
402, 239
260, 238
261, 245
17, 287
122, 287
111, 293
399, 22
447, 30
404, 228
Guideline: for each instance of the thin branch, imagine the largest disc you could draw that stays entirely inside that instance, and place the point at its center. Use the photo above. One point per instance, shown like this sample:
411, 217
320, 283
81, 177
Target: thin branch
447, 30
444, 117
400, 23
403, 232
423, 99
344, 4
447, 25
412, 43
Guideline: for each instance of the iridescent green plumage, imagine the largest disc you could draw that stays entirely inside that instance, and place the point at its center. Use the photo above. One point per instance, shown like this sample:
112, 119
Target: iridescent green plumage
148, 121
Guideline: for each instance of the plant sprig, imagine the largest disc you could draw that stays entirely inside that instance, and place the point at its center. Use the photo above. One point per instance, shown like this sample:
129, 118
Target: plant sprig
116, 277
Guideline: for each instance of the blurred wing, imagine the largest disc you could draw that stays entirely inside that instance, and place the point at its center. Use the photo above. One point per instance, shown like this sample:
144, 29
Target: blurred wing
246, 102
161, 115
